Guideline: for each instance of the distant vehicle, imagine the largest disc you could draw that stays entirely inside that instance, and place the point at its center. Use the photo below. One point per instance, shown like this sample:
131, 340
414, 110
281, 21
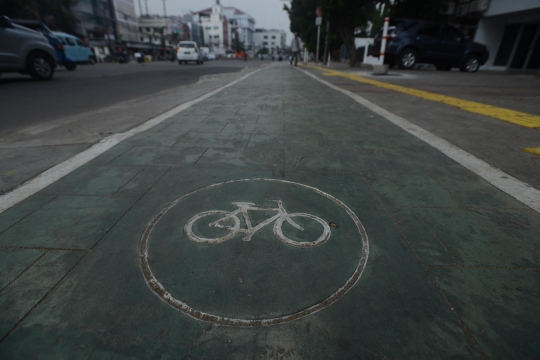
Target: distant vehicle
61, 57
211, 56
76, 49
25, 51
189, 51
412, 41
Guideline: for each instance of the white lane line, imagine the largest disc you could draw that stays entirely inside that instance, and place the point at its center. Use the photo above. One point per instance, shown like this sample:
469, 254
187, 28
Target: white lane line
57, 172
516, 188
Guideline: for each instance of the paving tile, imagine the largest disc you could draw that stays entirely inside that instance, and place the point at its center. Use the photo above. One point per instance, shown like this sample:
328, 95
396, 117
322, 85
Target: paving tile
165, 156
235, 128
22, 209
149, 138
93, 180
246, 158
14, 261
431, 250
421, 164
74, 222
475, 191
410, 190
33, 285
499, 306
487, 237
222, 140
192, 127
240, 119
143, 181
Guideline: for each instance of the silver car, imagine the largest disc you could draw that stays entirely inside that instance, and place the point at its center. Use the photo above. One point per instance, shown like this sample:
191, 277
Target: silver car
25, 51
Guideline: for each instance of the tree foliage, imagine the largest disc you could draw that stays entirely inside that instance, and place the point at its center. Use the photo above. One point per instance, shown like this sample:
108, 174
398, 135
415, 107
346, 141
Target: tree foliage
56, 14
237, 45
345, 17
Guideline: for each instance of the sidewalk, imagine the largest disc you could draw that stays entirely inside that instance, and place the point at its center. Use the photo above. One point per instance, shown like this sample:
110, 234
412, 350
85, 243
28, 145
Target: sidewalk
424, 258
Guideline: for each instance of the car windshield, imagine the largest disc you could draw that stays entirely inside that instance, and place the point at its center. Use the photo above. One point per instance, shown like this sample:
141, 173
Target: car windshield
187, 45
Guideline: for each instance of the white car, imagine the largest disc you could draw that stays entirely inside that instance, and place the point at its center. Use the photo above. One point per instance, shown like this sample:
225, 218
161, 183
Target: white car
188, 51
211, 56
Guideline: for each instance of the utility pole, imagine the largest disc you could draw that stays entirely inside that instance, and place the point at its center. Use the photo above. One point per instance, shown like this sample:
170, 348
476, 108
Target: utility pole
326, 41
146, 6
318, 22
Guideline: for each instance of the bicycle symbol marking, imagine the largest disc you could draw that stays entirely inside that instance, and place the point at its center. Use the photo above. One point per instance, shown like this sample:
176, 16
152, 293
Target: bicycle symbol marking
243, 208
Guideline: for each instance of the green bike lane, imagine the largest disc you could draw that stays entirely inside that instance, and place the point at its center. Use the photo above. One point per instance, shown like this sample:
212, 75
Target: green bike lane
424, 259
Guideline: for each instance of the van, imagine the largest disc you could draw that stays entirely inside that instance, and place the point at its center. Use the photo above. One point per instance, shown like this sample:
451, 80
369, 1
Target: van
189, 51
76, 49
25, 51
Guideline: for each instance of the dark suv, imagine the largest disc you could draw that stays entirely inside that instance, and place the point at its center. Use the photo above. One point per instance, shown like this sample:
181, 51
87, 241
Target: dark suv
410, 42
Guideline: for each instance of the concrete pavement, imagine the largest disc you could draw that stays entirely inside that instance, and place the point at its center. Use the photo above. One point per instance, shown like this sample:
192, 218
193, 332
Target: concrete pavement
172, 245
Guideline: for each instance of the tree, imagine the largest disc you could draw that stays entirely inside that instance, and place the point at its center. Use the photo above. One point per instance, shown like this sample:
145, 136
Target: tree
263, 51
346, 16
56, 14
237, 45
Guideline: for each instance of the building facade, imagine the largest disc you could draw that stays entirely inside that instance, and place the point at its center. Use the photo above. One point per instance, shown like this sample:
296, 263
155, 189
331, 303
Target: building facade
104, 24
241, 23
511, 31
274, 40
216, 28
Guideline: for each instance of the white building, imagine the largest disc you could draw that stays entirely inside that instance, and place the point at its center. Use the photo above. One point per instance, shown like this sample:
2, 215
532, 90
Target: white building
126, 20
511, 31
150, 29
217, 34
242, 23
271, 39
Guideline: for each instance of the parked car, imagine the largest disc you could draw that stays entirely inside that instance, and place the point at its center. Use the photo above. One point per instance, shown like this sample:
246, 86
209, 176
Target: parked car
61, 57
411, 42
211, 56
189, 51
76, 49
25, 51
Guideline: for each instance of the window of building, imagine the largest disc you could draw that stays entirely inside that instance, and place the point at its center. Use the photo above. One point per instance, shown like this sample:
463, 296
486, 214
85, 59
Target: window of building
273, 36
266, 36
216, 27
208, 27
216, 36
147, 29
265, 42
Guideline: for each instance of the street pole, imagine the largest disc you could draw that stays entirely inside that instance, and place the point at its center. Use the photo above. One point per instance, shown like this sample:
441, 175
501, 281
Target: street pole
318, 40
384, 37
326, 40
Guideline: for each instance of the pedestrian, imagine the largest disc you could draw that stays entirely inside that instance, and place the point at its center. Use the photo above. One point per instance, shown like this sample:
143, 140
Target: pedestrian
296, 46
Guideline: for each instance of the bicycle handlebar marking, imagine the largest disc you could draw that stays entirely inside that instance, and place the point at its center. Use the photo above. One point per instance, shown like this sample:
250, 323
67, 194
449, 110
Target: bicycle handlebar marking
243, 208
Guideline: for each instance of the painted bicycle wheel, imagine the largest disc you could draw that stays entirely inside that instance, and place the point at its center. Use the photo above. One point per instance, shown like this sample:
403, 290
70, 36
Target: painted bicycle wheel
188, 228
302, 244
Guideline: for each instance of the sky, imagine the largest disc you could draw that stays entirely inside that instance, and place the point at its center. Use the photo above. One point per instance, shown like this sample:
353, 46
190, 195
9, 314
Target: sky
267, 13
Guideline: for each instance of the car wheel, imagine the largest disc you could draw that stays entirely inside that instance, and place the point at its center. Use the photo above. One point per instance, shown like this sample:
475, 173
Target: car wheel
40, 66
179, 62
471, 64
408, 59
70, 66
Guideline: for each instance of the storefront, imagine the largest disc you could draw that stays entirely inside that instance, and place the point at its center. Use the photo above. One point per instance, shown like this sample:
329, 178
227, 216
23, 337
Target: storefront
511, 31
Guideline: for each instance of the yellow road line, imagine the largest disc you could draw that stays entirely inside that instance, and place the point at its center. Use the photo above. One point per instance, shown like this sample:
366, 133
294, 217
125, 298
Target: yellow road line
511, 116
535, 151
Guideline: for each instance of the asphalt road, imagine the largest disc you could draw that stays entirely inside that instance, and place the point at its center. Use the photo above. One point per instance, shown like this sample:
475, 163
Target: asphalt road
25, 102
